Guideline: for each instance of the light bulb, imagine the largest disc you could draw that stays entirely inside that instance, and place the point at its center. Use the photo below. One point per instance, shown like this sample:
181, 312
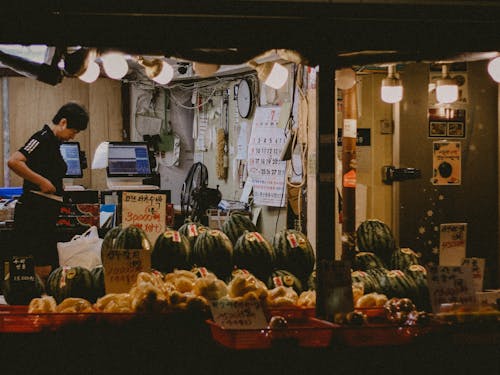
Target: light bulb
114, 65
345, 78
446, 88
391, 90
494, 69
91, 73
165, 75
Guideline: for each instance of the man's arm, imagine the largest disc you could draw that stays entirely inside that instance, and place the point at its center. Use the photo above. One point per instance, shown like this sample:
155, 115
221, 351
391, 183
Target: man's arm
17, 163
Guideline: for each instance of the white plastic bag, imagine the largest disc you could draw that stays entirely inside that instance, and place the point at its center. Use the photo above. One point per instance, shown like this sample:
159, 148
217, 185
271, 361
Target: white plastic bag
83, 250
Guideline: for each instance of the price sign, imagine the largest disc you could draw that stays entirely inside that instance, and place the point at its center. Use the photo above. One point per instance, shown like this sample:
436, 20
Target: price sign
146, 211
450, 285
231, 314
21, 270
122, 267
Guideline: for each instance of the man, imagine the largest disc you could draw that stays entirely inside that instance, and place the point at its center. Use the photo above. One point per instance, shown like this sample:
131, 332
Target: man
39, 162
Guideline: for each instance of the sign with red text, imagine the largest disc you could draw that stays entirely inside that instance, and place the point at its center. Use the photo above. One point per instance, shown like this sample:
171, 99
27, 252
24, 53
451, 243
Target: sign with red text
122, 267
450, 285
478, 265
452, 243
146, 211
231, 314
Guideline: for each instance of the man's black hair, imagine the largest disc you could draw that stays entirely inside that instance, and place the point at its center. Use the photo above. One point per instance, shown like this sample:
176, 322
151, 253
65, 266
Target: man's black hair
76, 115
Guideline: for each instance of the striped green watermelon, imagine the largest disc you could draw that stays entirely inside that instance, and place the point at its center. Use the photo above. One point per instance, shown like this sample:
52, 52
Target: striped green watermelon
98, 280
370, 283
403, 258
376, 237
419, 275
66, 282
395, 283
236, 225
170, 252
191, 230
214, 251
294, 253
110, 237
254, 253
365, 260
284, 278
132, 238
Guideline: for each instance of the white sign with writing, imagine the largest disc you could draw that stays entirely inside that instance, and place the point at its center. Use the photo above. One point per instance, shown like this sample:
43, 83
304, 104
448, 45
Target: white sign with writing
477, 265
231, 314
452, 243
146, 211
450, 285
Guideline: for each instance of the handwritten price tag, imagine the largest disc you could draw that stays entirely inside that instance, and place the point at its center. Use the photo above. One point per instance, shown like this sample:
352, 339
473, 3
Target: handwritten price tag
238, 314
146, 211
122, 267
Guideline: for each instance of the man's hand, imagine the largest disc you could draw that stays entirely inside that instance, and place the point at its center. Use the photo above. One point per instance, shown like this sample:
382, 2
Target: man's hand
46, 186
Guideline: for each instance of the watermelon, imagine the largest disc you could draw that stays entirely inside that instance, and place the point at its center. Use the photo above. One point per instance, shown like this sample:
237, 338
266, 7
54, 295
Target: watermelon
214, 251
132, 238
294, 253
365, 260
403, 258
66, 282
376, 237
419, 275
284, 278
370, 283
236, 225
191, 230
395, 283
110, 237
170, 252
98, 280
254, 253
22, 292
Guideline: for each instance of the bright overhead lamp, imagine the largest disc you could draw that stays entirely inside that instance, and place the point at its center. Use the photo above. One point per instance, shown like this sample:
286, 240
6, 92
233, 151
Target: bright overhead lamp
391, 90
158, 70
494, 69
272, 74
446, 88
345, 78
115, 65
91, 73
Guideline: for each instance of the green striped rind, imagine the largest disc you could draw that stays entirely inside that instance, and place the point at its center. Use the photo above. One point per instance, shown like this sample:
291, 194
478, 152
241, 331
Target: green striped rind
214, 251
376, 237
66, 282
284, 278
170, 252
236, 225
294, 253
21, 293
191, 230
255, 254
98, 280
370, 283
132, 238
403, 258
419, 275
395, 283
364, 261
110, 237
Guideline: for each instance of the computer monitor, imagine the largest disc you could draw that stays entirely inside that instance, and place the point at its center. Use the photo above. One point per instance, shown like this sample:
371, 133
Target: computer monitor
70, 152
128, 159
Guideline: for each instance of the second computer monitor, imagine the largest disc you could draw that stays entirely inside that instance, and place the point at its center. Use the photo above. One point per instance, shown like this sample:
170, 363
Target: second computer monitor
128, 159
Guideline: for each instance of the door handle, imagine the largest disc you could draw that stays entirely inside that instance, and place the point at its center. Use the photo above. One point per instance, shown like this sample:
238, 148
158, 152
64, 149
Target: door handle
391, 174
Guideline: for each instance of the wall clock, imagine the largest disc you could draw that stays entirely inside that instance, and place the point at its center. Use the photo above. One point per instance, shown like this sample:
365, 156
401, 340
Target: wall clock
244, 98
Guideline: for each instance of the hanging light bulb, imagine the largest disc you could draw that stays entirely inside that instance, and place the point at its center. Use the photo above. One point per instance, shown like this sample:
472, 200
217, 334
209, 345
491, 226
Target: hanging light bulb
158, 70
494, 69
345, 78
272, 74
115, 65
91, 73
391, 90
446, 88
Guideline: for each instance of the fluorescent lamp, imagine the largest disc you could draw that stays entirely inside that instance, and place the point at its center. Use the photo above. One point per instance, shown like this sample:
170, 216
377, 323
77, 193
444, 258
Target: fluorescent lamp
446, 88
391, 90
494, 69
115, 65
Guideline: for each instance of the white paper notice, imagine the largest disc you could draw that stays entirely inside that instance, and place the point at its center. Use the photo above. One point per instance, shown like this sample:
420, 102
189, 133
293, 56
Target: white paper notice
350, 128
264, 165
452, 243
242, 145
230, 314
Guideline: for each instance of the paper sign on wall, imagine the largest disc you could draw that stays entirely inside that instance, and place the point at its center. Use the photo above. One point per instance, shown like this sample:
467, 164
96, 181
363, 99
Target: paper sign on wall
122, 268
452, 243
477, 265
450, 285
146, 211
230, 314
447, 163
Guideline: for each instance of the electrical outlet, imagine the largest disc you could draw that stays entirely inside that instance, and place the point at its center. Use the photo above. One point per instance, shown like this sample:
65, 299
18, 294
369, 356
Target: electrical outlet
386, 127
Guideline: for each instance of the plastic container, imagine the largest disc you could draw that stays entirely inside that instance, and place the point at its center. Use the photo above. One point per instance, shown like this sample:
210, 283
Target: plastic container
308, 332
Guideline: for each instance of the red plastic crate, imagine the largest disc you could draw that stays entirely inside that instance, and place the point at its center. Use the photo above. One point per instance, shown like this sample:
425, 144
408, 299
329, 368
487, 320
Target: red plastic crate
308, 332
291, 312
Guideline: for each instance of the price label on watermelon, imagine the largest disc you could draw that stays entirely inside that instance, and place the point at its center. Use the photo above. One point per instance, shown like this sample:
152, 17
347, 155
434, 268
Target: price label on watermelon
231, 314
122, 267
